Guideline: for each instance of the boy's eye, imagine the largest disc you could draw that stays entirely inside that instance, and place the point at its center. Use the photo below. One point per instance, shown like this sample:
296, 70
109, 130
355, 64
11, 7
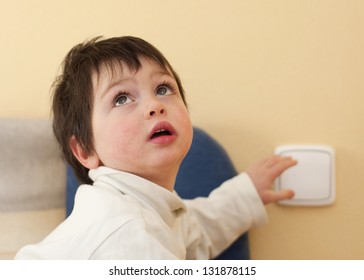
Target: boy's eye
164, 90
122, 99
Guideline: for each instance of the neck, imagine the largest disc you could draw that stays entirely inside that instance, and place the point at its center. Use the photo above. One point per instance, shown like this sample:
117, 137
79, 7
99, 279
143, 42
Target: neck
163, 179
166, 182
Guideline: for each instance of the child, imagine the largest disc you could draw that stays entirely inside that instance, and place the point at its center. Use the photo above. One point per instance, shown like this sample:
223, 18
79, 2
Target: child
121, 118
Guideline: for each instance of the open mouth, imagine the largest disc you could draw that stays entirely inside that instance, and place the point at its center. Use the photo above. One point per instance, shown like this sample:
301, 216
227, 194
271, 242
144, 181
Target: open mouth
160, 132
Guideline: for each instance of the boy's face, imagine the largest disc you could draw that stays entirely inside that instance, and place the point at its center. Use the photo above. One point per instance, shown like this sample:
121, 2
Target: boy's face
140, 122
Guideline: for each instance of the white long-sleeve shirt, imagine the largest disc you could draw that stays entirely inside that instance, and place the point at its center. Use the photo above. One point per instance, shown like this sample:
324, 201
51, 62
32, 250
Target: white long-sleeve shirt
123, 216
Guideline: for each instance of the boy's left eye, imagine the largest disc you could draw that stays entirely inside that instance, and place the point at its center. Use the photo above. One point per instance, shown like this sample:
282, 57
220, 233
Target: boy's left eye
163, 90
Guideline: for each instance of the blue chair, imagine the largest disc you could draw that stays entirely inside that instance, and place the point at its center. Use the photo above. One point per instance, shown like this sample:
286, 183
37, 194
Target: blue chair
205, 167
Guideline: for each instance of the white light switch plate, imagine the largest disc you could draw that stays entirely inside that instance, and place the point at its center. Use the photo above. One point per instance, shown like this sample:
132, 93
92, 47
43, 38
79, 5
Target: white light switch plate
312, 179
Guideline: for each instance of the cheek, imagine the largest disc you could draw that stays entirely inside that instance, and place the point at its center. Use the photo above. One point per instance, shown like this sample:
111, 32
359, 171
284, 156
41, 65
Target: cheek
184, 117
186, 125
115, 138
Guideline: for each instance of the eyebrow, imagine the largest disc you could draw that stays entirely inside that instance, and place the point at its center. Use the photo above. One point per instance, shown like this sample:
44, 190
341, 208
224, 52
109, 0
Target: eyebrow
113, 83
111, 73
104, 92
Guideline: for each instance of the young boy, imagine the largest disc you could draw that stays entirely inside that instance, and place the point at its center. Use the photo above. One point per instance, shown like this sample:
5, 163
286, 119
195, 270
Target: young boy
121, 119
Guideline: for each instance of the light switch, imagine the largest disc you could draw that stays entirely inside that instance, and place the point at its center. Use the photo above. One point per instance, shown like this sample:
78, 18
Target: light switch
312, 179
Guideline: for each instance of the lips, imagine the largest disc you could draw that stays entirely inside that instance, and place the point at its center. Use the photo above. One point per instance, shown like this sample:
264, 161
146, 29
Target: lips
159, 133
162, 133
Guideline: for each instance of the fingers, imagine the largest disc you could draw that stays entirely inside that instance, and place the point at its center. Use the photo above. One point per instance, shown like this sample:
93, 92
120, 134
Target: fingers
281, 164
273, 160
275, 165
264, 172
274, 196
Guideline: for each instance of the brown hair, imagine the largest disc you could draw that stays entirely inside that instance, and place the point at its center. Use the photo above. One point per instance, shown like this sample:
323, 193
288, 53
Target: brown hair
72, 91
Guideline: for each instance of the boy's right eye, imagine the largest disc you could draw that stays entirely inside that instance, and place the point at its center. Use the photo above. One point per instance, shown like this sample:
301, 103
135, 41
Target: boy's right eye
122, 99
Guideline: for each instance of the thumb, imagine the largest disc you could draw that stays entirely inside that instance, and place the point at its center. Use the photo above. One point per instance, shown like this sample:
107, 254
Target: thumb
274, 196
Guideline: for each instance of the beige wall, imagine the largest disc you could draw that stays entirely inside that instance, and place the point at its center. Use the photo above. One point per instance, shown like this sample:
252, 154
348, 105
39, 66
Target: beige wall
258, 74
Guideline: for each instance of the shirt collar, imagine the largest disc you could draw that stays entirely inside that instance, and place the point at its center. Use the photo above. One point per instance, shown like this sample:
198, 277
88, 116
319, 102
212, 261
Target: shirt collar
168, 204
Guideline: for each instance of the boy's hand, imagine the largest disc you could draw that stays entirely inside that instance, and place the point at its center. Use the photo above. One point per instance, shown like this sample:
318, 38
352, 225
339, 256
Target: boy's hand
264, 172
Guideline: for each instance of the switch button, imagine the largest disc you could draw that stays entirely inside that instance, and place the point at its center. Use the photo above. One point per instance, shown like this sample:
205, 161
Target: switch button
312, 179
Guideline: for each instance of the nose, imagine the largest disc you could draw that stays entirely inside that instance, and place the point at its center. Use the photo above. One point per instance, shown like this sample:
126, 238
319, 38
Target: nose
152, 113
154, 108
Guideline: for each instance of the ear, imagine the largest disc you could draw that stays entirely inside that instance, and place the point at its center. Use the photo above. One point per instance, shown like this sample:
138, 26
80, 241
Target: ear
88, 160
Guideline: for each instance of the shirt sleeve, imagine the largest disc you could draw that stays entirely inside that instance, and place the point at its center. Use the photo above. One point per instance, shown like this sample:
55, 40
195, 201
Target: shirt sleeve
213, 223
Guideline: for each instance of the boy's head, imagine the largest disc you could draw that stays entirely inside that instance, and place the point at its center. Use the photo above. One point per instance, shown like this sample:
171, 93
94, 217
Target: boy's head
75, 90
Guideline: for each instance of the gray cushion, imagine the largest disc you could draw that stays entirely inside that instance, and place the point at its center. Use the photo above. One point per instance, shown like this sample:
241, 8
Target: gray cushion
32, 172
